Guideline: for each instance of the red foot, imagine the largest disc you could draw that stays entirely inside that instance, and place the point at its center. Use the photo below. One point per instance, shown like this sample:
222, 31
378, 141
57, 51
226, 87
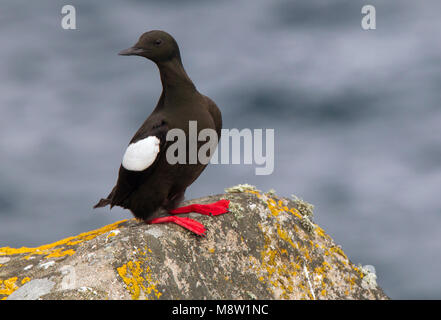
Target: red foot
187, 223
211, 209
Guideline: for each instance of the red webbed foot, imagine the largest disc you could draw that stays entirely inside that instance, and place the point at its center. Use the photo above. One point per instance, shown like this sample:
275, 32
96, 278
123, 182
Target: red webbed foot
211, 209
187, 223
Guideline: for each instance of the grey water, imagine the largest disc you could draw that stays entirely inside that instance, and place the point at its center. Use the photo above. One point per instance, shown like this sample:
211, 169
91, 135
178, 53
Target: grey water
356, 114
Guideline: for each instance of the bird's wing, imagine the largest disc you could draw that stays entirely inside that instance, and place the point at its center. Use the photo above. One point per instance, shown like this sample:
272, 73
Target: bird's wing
140, 159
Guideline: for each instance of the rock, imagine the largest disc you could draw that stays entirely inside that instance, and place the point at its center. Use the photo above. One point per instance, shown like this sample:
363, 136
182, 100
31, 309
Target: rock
265, 248
32, 290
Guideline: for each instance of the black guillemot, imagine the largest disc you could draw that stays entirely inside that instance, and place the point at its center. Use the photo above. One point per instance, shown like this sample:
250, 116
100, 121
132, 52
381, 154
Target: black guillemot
147, 183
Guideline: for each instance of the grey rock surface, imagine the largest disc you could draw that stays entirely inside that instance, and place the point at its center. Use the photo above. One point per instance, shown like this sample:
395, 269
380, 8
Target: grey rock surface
266, 247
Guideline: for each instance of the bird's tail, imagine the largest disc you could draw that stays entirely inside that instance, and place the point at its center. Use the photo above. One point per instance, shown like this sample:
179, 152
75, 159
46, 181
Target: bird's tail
102, 203
107, 201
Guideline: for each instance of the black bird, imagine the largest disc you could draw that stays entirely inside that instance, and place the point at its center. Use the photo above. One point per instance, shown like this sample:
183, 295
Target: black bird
147, 183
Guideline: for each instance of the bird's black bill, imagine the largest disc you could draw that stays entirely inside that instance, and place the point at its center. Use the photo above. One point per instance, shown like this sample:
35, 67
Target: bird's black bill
131, 52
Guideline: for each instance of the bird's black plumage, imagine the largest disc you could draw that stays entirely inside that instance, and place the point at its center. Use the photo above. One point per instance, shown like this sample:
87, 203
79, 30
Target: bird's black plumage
162, 185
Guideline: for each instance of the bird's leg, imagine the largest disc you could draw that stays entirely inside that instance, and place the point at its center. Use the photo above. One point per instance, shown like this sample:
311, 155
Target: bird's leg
187, 223
211, 209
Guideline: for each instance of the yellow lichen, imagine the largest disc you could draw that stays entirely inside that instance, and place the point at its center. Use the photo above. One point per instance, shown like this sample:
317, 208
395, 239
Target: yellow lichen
273, 269
295, 212
60, 253
321, 233
7, 287
360, 273
254, 192
339, 251
112, 234
305, 208
284, 236
51, 250
138, 279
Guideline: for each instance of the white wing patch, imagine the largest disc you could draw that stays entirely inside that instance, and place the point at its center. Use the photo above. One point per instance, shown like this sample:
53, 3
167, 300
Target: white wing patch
141, 154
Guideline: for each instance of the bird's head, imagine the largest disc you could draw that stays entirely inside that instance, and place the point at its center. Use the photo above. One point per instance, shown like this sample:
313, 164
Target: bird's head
155, 45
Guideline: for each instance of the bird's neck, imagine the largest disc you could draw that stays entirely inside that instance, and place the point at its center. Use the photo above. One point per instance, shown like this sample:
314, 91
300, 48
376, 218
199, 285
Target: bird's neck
175, 80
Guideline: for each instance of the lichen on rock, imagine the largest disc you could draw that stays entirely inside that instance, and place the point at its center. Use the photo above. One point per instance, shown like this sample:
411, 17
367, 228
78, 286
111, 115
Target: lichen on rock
306, 209
240, 188
370, 278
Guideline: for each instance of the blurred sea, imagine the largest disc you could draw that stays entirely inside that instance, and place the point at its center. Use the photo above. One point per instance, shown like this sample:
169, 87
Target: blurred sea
357, 115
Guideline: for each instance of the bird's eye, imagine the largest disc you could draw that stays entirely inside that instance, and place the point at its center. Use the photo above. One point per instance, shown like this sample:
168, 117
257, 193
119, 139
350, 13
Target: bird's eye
158, 42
